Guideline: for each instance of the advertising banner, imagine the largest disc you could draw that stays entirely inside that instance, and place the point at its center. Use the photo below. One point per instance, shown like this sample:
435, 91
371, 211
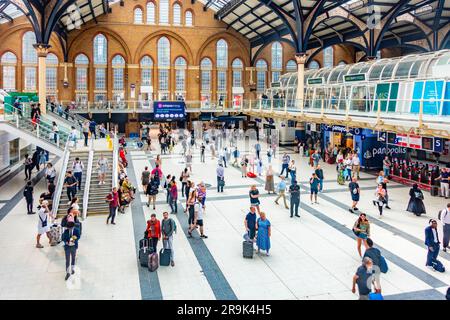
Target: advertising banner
431, 92
415, 141
169, 110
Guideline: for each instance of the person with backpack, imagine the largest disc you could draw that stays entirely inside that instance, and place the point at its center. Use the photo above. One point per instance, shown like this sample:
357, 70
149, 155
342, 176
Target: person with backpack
432, 242
151, 191
28, 194
157, 173
415, 204
361, 229
220, 173
113, 202
168, 228
153, 231
70, 238
43, 223
444, 216
375, 255
77, 168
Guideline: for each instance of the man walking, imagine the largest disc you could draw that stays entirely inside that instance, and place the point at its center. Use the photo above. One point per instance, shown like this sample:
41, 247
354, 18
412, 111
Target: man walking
202, 152
364, 279
168, 227
71, 184
445, 218
314, 183
354, 192
319, 174
220, 178
282, 192
77, 167
28, 194
285, 164
197, 218
432, 243
316, 158
444, 177
70, 238
113, 201
294, 191
356, 165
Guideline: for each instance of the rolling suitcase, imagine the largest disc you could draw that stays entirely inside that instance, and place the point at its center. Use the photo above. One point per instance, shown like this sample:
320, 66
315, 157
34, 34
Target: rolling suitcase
164, 257
55, 234
144, 252
153, 262
434, 191
247, 249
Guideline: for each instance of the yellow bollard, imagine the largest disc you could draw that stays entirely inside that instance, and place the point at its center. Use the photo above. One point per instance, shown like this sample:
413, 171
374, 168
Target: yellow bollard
110, 144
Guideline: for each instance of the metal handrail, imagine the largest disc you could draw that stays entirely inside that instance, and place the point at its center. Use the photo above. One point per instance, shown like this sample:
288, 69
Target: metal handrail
60, 182
87, 181
115, 164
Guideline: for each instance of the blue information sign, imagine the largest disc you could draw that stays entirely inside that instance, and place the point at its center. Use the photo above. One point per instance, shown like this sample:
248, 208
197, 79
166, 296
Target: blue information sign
169, 110
438, 144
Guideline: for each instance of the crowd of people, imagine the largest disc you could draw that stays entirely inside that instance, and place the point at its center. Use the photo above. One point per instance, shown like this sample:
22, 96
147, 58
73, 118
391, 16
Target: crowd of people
182, 192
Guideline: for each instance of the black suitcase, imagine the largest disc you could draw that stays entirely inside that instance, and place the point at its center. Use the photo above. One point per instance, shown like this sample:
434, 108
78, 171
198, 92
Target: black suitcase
164, 257
144, 252
247, 249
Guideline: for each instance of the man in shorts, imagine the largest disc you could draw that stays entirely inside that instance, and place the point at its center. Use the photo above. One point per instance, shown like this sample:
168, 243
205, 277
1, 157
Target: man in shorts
196, 218
314, 183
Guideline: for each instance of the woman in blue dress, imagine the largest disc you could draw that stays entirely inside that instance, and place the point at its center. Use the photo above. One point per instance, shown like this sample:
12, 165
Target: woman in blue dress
264, 232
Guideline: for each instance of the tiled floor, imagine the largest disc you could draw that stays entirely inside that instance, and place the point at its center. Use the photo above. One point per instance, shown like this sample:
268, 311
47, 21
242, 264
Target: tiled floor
313, 257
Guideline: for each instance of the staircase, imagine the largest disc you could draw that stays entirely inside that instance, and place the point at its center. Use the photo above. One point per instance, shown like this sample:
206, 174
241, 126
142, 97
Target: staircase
63, 204
98, 193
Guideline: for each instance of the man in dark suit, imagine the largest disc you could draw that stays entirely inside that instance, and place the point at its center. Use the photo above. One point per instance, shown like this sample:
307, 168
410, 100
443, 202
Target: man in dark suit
70, 237
432, 242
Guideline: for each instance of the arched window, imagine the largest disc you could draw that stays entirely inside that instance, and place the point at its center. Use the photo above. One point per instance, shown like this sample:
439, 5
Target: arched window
176, 14
237, 66
342, 63
29, 59
261, 70
328, 57
138, 16
314, 65
180, 76
146, 70
118, 65
164, 11
9, 64
222, 65
100, 49
206, 67
81, 85
28, 51
51, 75
188, 18
277, 61
151, 13
291, 66
222, 54
100, 61
163, 66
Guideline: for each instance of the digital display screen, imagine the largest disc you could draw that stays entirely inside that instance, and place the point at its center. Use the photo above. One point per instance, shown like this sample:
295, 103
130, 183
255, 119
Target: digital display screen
169, 110
427, 143
391, 137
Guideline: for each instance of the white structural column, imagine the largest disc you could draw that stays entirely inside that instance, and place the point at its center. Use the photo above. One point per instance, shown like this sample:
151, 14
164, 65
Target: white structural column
301, 60
42, 51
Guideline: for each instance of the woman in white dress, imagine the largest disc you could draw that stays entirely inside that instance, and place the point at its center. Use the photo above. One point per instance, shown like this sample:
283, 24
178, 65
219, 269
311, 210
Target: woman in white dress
43, 223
